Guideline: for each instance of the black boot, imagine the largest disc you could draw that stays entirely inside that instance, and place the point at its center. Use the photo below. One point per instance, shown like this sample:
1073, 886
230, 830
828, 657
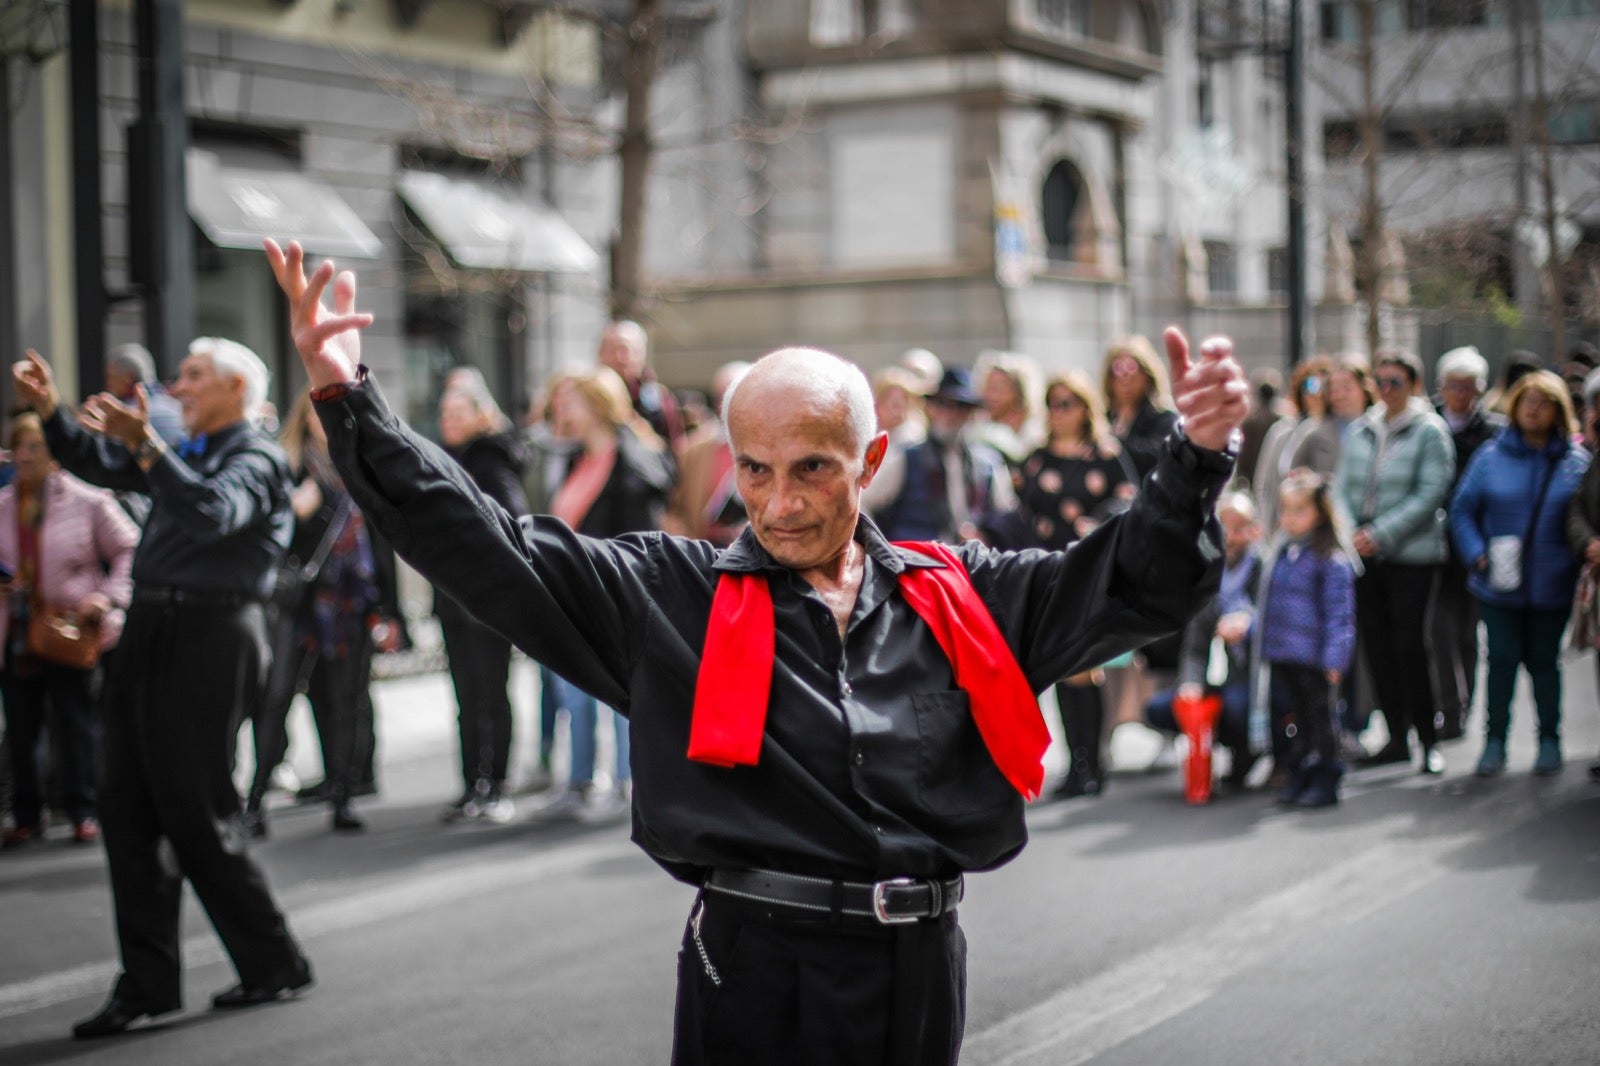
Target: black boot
253, 822
1082, 716
344, 817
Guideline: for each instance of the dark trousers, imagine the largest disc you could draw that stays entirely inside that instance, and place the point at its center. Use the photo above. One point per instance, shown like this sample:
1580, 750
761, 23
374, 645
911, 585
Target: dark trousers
183, 679
480, 667
341, 707
1524, 637
1394, 610
1455, 645
1302, 695
66, 696
794, 992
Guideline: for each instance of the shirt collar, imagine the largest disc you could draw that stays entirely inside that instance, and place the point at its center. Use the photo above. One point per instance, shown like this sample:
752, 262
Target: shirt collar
746, 555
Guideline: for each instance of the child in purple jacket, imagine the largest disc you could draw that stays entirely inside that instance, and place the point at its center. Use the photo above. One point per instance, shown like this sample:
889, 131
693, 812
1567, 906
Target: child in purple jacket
1308, 636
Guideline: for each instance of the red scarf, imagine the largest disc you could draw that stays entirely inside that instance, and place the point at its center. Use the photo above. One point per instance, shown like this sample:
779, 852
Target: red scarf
735, 680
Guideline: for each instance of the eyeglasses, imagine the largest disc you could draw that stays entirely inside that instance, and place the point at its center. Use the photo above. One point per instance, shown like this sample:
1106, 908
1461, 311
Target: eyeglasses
1387, 382
1125, 366
1065, 403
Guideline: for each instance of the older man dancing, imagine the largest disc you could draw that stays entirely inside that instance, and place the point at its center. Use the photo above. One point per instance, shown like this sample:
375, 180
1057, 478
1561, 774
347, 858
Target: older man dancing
829, 729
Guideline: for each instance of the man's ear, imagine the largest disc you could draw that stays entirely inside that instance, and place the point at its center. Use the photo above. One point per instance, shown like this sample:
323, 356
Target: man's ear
877, 448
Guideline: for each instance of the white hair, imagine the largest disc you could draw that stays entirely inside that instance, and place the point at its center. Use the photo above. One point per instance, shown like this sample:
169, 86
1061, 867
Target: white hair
1464, 362
233, 360
828, 377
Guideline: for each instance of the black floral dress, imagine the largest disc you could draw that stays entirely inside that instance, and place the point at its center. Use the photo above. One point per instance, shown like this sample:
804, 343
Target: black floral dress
1065, 496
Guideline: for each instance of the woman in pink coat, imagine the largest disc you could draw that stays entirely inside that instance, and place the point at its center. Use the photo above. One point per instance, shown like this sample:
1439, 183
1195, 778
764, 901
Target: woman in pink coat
69, 546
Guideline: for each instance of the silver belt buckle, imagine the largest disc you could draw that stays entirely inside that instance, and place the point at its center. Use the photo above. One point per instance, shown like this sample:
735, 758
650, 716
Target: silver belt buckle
880, 901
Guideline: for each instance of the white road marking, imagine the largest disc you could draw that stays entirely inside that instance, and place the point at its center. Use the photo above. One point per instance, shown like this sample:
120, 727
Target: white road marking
1097, 1014
365, 907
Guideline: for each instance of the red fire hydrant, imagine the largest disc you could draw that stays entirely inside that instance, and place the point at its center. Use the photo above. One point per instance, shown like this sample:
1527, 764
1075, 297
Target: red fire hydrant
1197, 717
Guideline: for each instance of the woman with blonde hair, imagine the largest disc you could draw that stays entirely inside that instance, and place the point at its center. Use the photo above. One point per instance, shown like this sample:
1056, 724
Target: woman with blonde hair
1509, 520
616, 482
1008, 383
1138, 399
1076, 480
65, 546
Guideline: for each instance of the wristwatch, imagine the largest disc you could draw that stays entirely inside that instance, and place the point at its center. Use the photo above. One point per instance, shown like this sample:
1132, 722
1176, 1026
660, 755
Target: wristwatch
148, 450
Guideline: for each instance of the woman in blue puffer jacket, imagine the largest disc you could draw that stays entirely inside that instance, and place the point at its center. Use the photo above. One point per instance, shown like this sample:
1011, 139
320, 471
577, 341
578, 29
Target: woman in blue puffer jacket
1508, 520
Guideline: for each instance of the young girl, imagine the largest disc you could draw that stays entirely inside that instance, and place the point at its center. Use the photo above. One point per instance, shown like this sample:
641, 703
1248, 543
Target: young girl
1307, 637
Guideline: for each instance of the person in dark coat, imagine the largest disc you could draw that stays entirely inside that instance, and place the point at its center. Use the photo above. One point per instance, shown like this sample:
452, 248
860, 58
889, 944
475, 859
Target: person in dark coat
326, 609
218, 523
1137, 400
480, 658
829, 730
1462, 375
1509, 520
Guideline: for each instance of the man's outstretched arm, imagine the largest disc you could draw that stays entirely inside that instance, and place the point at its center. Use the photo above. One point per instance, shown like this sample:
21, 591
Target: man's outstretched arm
573, 603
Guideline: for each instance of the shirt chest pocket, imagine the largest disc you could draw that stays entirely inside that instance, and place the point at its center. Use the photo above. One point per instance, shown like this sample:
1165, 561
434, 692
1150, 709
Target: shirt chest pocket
956, 778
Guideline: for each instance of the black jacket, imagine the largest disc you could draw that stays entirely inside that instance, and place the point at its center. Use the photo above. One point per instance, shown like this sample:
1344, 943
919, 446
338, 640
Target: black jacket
871, 765
1147, 435
635, 495
494, 462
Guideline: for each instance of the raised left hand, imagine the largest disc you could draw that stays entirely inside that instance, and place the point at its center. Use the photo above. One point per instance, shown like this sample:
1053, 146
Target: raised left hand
1212, 394
104, 413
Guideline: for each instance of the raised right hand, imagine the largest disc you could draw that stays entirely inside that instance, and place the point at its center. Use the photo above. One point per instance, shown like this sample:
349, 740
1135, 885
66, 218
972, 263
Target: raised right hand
36, 385
329, 344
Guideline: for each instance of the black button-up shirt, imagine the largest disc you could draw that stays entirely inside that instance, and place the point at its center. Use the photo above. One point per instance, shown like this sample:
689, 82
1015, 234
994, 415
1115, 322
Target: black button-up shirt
871, 765
218, 522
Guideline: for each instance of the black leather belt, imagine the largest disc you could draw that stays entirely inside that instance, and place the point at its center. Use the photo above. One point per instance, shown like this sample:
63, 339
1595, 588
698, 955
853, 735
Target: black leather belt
891, 902
168, 596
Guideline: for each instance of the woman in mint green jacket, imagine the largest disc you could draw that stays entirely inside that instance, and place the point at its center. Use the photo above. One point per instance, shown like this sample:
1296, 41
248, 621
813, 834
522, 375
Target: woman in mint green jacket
1394, 482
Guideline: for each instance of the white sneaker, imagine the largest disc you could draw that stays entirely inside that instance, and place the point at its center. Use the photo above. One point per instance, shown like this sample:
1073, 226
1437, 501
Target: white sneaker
497, 809
568, 804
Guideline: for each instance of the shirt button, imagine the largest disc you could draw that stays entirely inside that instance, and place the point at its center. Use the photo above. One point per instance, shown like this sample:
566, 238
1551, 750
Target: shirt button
881, 830
859, 758
844, 687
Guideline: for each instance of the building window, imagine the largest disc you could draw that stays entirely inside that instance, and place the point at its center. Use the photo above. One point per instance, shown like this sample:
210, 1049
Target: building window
1577, 123
1063, 197
1222, 269
839, 22
1205, 94
1063, 16
1278, 271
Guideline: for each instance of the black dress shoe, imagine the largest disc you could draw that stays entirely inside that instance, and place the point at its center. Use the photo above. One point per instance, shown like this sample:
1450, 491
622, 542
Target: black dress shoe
114, 1018
346, 819
243, 995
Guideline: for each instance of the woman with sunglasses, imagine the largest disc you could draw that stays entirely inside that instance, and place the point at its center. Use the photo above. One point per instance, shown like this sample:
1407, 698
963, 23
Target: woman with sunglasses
1079, 478
1394, 481
1137, 400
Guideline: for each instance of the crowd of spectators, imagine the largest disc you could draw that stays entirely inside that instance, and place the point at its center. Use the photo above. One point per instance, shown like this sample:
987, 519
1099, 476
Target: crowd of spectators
1384, 532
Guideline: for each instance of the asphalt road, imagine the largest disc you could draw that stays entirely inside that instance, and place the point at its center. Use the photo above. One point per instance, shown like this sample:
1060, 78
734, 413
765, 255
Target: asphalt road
1425, 920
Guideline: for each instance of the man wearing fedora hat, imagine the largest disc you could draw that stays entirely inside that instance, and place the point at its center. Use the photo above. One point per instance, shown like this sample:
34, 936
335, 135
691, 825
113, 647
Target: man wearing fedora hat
945, 487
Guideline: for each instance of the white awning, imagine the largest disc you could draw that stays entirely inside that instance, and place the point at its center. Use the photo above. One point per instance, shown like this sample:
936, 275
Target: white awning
487, 227
237, 206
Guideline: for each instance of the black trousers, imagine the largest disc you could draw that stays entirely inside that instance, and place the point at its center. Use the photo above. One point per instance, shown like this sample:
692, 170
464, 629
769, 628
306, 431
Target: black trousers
1302, 695
1455, 643
795, 991
184, 676
341, 707
66, 696
480, 667
1394, 610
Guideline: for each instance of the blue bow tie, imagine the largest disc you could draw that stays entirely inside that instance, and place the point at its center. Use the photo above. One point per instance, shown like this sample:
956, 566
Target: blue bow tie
193, 447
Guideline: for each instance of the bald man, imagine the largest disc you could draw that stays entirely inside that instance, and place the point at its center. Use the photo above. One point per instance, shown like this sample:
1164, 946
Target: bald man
829, 730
